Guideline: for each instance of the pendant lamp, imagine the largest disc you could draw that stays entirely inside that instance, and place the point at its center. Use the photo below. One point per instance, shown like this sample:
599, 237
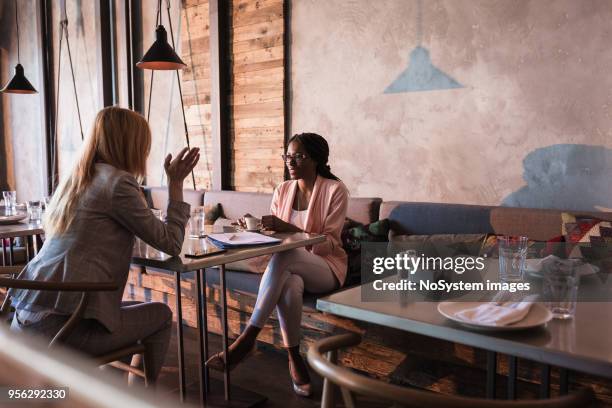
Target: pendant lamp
161, 55
19, 84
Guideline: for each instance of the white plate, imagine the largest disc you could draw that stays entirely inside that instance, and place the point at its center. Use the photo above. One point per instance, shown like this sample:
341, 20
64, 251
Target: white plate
12, 219
538, 315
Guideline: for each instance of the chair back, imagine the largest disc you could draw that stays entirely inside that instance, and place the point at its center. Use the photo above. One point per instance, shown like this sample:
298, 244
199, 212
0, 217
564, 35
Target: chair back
83, 287
351, 383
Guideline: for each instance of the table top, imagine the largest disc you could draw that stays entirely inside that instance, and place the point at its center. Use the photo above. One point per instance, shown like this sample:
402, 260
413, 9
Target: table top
583, 343
144, 256
20, 229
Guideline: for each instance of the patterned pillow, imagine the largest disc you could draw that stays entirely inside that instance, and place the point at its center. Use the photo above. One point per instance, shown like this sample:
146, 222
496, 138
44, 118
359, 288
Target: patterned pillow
535, 249
591, 237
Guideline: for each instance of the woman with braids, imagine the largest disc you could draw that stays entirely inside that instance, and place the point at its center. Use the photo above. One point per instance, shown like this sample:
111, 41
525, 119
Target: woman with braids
314, 201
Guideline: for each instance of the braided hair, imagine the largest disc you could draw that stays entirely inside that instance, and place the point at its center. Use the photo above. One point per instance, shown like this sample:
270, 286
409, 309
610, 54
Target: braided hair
318, 149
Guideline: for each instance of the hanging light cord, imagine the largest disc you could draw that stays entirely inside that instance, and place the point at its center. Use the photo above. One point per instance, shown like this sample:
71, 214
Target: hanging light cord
17, 25
63, 32
178, 79
157, 22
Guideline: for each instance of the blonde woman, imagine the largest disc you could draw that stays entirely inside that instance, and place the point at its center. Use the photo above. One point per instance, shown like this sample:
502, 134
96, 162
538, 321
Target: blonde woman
90, 227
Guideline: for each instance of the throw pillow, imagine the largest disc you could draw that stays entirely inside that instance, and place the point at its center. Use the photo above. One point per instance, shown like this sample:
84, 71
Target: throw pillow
589, 237
212, 212
353, 235
535, 249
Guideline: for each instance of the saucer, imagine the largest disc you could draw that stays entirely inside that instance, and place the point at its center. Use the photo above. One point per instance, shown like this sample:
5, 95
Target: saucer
12, 219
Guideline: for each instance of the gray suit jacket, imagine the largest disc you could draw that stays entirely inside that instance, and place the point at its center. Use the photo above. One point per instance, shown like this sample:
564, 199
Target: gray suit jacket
98, 245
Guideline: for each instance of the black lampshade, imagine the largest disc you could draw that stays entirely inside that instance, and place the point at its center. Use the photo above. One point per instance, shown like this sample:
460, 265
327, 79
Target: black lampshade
19, 84
161, 56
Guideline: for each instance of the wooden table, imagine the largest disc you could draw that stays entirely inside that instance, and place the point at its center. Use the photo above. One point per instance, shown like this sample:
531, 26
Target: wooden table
21, 229
583, 343
182, 264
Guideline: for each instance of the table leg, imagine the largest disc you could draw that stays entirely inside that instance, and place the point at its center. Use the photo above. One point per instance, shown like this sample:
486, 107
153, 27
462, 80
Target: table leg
27, 248
545, 381
491, 373
564, 381
202, 334
35, 239
11, 252
3, 252
512, 365
179, 337
226, 372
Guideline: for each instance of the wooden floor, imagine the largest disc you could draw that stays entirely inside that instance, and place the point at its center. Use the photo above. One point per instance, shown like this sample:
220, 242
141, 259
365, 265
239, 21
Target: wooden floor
266, 373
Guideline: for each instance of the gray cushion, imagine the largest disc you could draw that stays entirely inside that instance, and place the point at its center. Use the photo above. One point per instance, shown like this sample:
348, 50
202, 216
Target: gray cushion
235, 203
363, 209
434, 218
157, 197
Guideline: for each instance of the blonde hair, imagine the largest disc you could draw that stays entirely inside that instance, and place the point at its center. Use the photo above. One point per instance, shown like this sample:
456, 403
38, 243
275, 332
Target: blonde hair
121, 138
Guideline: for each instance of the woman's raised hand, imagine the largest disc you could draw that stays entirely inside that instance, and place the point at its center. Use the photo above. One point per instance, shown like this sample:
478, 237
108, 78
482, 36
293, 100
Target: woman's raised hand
180, 167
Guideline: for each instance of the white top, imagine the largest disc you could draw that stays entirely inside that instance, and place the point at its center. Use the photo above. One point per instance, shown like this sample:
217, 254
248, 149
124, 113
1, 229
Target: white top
298, 218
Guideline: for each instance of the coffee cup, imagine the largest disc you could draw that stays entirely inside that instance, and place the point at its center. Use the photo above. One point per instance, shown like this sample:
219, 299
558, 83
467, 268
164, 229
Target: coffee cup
252, 223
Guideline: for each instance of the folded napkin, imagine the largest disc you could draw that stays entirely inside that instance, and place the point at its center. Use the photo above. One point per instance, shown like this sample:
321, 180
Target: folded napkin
498, 314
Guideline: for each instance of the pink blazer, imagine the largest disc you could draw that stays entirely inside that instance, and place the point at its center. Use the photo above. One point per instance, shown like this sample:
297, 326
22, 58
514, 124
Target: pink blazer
325, 215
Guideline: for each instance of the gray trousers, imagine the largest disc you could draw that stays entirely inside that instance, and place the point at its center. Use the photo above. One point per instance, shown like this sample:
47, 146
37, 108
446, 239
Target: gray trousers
282, 286
150, 323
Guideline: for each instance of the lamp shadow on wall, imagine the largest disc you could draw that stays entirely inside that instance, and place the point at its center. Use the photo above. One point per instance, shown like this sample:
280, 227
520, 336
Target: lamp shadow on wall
566, 176
421, 75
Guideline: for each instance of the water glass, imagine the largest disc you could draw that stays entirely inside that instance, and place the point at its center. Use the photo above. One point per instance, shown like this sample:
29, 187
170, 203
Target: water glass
45, 203
197, 222
34, 211
512, 254
10, 202
158, 213
561, 287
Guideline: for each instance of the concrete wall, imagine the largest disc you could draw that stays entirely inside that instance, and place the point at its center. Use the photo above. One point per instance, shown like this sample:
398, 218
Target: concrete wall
516, 108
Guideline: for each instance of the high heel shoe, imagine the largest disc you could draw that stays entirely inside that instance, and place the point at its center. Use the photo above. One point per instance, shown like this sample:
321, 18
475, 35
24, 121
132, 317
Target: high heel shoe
302, 390
217, 361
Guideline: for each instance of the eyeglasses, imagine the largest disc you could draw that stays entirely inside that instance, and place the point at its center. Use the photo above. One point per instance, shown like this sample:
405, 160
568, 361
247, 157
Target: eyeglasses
298, 157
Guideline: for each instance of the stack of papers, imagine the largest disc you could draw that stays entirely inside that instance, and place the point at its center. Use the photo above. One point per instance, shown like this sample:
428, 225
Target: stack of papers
241, 239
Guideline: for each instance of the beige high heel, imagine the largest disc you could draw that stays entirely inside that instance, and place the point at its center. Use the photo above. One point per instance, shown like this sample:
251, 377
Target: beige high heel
302, 390
217, 361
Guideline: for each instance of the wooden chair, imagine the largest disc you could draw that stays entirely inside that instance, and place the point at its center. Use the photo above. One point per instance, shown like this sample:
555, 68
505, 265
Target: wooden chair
111, 358
351, 383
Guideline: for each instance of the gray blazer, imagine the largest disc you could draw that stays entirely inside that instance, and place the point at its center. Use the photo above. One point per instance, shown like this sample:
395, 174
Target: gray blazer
98, 245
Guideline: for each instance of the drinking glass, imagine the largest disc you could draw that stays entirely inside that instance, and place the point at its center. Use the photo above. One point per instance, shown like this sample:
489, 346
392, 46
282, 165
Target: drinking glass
34, 211
197, 222
10, 202
45, 203
561, 287
512, 254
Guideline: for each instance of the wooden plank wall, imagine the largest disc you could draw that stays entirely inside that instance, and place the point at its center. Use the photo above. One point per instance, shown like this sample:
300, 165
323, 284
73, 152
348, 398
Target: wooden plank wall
256, 96
195, 80
257, 125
